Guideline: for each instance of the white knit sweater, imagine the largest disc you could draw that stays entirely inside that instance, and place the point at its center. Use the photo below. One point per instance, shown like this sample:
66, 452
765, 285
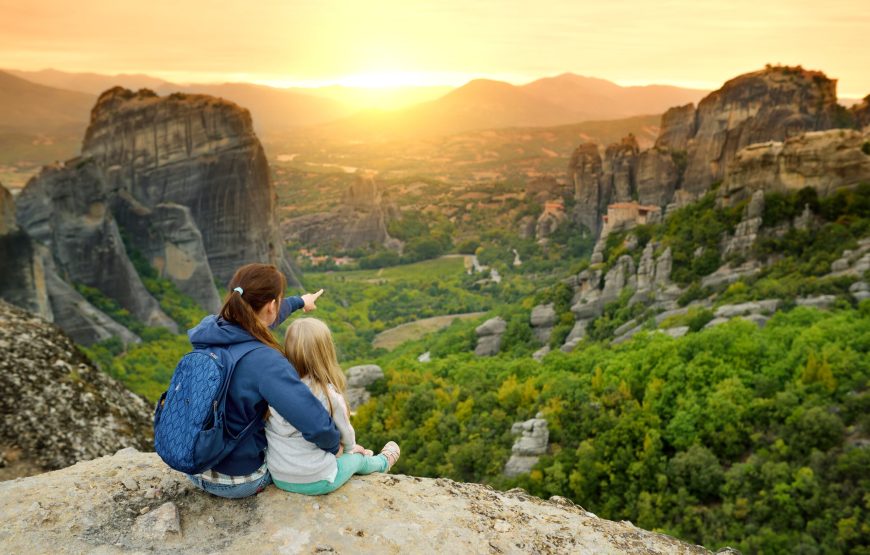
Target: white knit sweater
291, 458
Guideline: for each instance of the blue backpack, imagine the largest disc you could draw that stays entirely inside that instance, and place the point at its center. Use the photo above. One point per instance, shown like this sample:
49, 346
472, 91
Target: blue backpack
190, 432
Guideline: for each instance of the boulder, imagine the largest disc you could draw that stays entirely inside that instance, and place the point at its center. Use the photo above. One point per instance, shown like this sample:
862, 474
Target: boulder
493, 326
529, 446
542, 319
87, 509
822, 302
860, 290
358, 379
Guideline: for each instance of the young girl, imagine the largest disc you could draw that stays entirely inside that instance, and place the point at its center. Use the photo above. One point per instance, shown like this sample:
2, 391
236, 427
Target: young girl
296, 464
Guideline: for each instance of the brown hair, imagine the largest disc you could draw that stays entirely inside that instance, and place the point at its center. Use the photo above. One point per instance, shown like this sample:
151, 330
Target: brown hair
261, 284
309, 346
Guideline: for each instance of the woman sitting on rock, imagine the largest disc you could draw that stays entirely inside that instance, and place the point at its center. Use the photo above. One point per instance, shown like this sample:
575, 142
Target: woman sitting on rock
296, 463
262, 378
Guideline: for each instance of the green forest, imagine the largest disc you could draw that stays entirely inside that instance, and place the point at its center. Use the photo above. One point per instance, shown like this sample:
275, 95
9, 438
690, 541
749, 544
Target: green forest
734, 435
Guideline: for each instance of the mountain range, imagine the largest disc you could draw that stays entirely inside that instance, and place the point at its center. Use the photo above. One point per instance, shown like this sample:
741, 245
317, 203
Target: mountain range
35, 100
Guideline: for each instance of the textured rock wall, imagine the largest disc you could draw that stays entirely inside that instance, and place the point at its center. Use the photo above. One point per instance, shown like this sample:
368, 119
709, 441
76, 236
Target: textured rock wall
68, 209
55, 407
824, 160
131, 502
771, 104
359, 221
195, 151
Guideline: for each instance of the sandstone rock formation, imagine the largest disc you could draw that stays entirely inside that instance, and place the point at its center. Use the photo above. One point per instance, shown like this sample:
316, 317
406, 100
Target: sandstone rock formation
131, 502
529, 446
68, 209
22, 274
55, 407
358, 379
747, 230
489, 336
824, 160
768, 105
182, 180
696, 148
542, 319
196, 151
359, 221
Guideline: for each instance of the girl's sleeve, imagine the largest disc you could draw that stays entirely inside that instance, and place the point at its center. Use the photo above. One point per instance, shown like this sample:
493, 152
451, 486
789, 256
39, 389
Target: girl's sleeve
341, 417
292, 399
288, 307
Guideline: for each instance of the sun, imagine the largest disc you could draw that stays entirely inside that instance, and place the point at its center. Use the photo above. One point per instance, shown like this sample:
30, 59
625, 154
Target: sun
385, 80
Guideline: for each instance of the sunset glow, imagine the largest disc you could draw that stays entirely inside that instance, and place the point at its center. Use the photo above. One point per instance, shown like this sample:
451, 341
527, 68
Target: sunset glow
392, 44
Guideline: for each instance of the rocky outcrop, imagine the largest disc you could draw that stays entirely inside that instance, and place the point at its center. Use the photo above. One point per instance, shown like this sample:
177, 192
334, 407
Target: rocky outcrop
131, 502
586, 171
532, 442
359, 221
195, 151
489, 337
768, 105
746, 232
168, 238
823, 160
542, 319
696, 148
68, 209
358, 379
649, 280
22, 273
181, 180
861, 113
55, 407
552, 218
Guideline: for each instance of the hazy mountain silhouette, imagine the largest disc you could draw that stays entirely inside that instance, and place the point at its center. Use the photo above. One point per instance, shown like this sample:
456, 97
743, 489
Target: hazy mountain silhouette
33, 108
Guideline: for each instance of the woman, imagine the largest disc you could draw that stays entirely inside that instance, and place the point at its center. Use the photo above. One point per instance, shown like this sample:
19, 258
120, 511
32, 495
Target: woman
262, 378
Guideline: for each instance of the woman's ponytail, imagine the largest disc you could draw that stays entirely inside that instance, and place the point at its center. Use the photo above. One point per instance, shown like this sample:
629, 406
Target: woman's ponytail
252, 287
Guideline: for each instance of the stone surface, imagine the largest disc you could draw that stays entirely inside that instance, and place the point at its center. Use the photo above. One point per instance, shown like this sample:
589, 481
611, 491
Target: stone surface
822, 302
86, 509
824, 160
543, 315
768, 105
586, 172
360, 220
488, 345
68, 209
532, 443
22, 272
55, 407
746, 232
159, 524
171, 242
726, 274
358, 379
493, 326
541, 353
860, 290
197, 151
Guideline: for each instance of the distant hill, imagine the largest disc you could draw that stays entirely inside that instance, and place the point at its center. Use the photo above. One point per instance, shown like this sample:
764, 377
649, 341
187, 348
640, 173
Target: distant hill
273, 109
33, 108
90, 83
487, 104
592, 98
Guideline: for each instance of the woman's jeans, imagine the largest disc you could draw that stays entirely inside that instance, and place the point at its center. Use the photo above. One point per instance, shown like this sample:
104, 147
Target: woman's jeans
232, 491
348, 465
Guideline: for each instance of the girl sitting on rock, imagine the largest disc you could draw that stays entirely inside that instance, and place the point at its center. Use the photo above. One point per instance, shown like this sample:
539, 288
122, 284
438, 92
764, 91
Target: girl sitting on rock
296, 464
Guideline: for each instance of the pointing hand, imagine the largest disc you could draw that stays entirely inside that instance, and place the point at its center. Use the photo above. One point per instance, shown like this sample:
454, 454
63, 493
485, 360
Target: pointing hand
310, 299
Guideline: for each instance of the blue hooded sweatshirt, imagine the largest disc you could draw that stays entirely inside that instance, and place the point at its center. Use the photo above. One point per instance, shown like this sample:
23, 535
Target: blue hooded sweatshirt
264, 377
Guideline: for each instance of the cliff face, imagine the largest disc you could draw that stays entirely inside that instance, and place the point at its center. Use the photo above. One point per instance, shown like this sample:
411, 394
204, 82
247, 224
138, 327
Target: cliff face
824, 160
768, 105
196, 151
132, 502
21, 273
359, 221
696, 147
57, 409
182, 180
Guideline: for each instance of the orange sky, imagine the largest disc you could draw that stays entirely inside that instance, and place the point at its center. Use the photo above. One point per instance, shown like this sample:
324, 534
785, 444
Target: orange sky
310, 42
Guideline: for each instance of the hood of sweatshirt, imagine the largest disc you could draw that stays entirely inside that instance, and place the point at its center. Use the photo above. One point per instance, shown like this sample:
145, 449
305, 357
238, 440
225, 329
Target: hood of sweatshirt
215, 331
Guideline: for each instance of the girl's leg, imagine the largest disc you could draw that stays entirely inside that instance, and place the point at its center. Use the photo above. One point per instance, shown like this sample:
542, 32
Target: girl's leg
348, 465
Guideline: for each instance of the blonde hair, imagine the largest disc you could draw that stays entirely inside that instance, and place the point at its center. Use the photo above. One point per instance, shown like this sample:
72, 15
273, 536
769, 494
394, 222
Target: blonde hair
309, 346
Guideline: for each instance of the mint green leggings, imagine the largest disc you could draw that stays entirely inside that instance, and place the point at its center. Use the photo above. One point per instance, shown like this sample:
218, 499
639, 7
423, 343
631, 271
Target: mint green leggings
348, 465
